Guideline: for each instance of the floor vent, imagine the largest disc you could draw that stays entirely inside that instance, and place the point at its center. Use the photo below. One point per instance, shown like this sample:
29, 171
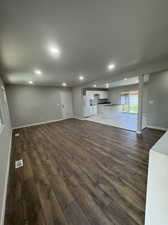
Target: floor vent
18, 163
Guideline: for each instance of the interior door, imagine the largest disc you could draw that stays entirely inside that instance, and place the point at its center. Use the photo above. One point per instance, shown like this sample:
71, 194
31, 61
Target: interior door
66, 104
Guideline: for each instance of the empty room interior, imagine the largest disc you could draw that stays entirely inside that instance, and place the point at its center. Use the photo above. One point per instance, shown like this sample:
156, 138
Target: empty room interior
84, 112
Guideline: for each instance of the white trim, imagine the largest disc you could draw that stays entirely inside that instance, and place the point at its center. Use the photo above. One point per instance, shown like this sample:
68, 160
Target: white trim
1, 128
144, 128
140, 103
36, 124
157, 128
78, 118
138, 132
6, 183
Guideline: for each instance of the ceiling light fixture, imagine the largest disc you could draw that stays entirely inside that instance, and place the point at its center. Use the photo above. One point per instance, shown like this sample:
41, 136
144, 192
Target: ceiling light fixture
54, 51
125, 78
94, 85
30, 82
64, 84
81, 77
38, 72
111, 66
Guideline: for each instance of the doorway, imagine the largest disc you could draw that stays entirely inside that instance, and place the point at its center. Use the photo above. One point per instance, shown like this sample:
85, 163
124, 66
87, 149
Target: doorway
121, 110
129, 102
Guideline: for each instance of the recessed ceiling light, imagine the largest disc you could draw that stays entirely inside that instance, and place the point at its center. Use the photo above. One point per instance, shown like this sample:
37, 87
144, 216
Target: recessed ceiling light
107, 85
94, 85
111, 66
38, 72
81, 77
125, 78
64, 84
54, 51
30, 82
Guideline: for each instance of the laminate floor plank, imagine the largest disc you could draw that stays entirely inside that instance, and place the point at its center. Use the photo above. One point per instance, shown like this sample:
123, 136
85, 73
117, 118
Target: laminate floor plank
78, 172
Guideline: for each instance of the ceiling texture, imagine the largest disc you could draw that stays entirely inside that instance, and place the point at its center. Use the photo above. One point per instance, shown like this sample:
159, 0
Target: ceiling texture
89, 34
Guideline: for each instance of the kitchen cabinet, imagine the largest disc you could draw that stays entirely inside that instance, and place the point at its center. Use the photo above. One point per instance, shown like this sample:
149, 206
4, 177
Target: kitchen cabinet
102, 94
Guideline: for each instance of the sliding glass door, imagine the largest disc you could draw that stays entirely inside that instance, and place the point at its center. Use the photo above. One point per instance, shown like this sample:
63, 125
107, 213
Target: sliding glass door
125, 101
129, 101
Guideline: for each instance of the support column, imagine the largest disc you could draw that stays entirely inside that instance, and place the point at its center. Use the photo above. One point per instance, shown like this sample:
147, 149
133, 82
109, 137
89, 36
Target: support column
140, 104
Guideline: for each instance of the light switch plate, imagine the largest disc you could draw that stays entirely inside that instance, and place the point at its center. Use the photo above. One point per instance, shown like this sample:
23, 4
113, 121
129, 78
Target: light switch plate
151, 102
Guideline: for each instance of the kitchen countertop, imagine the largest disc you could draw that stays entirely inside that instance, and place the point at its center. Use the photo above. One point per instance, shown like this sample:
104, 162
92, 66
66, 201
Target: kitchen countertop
112, 104
104, 103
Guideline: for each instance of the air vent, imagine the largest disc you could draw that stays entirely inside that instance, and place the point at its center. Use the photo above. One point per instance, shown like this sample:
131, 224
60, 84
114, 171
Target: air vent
18, 163
17, 134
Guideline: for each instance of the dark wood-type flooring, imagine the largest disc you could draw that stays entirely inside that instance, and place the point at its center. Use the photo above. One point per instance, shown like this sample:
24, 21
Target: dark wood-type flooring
78, 173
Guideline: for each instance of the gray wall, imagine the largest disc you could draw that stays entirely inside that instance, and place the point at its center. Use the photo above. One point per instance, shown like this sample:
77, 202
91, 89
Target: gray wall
158, 100
5, 140
34, 104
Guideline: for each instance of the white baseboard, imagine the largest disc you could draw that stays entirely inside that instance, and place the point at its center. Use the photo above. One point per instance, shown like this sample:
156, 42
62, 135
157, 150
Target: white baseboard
36, 124
138, 132
78, 118
157, 128
6, 183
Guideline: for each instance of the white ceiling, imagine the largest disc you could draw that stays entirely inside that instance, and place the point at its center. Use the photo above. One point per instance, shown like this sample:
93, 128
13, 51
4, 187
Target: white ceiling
89, 33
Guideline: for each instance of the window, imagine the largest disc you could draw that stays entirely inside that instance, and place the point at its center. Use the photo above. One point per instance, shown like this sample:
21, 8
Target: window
129, 101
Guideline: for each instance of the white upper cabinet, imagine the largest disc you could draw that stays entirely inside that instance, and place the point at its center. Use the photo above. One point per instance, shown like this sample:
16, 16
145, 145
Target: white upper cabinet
102, 94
